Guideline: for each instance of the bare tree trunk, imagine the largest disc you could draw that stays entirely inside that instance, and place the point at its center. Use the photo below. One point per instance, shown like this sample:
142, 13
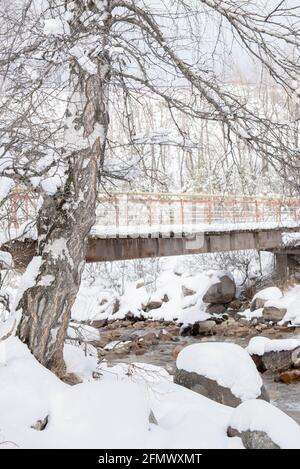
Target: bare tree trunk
65, 220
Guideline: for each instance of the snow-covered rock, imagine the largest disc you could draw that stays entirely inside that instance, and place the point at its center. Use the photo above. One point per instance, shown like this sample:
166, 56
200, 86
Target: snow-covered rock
274, 313
261, 345
223, 372
223, 291
274, 355
168, 303
259, 300
262, 426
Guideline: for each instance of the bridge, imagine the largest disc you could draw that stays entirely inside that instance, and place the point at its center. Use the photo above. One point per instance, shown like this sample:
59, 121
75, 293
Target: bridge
144, 225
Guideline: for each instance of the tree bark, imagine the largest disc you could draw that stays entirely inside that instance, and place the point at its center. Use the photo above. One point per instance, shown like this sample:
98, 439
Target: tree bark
65, 219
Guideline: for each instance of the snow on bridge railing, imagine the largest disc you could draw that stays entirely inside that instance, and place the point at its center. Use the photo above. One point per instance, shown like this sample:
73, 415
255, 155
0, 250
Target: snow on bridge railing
136, 212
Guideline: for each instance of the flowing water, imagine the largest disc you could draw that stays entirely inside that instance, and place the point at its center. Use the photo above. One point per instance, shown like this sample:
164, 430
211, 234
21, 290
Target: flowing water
285, 397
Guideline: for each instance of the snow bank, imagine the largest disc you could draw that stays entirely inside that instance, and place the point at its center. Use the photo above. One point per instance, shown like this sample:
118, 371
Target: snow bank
89, 415
79, 363
110, 413
261, 345
185, 419
258, 415
92, 303
227, 364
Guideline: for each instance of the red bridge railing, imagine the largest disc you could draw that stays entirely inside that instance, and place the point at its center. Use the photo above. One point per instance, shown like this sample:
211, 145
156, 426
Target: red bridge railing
120, 210
156, 210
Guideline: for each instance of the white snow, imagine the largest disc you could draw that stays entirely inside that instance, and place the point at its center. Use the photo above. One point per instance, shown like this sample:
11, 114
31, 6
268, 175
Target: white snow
46, 281
28, 279
227, 364
6, 260
110, 413
290, 300
249, 315
58, 249
78, 52
56, 27
261, 345
271, 293
259, 415
93, 303
79, 363
6, 185
142, 230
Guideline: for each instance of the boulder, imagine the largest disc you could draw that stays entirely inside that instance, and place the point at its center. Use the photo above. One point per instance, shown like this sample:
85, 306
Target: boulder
253, 439
273, 313
198, 328
222, 292
99, 323
274, 361
206, 387
290, 377
259, 300
260, 425
274, 355
235, 304
215, 309
153, 304
222, 372
202, 328
210, 388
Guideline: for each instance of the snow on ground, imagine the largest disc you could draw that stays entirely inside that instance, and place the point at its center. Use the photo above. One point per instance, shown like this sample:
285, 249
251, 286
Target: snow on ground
259, 415
110, 413
92, 303
249, 315
227, 364
261, 345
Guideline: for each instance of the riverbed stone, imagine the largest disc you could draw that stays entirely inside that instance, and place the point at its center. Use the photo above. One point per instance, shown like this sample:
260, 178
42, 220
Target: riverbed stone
153, 304
216, 309
261, 298
235, 304
290, 377
222, 292
210, 388
253, 439
273, 313
276, 361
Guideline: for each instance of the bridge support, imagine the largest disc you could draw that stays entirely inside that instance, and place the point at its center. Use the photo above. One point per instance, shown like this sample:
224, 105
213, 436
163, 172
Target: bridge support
282, 265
